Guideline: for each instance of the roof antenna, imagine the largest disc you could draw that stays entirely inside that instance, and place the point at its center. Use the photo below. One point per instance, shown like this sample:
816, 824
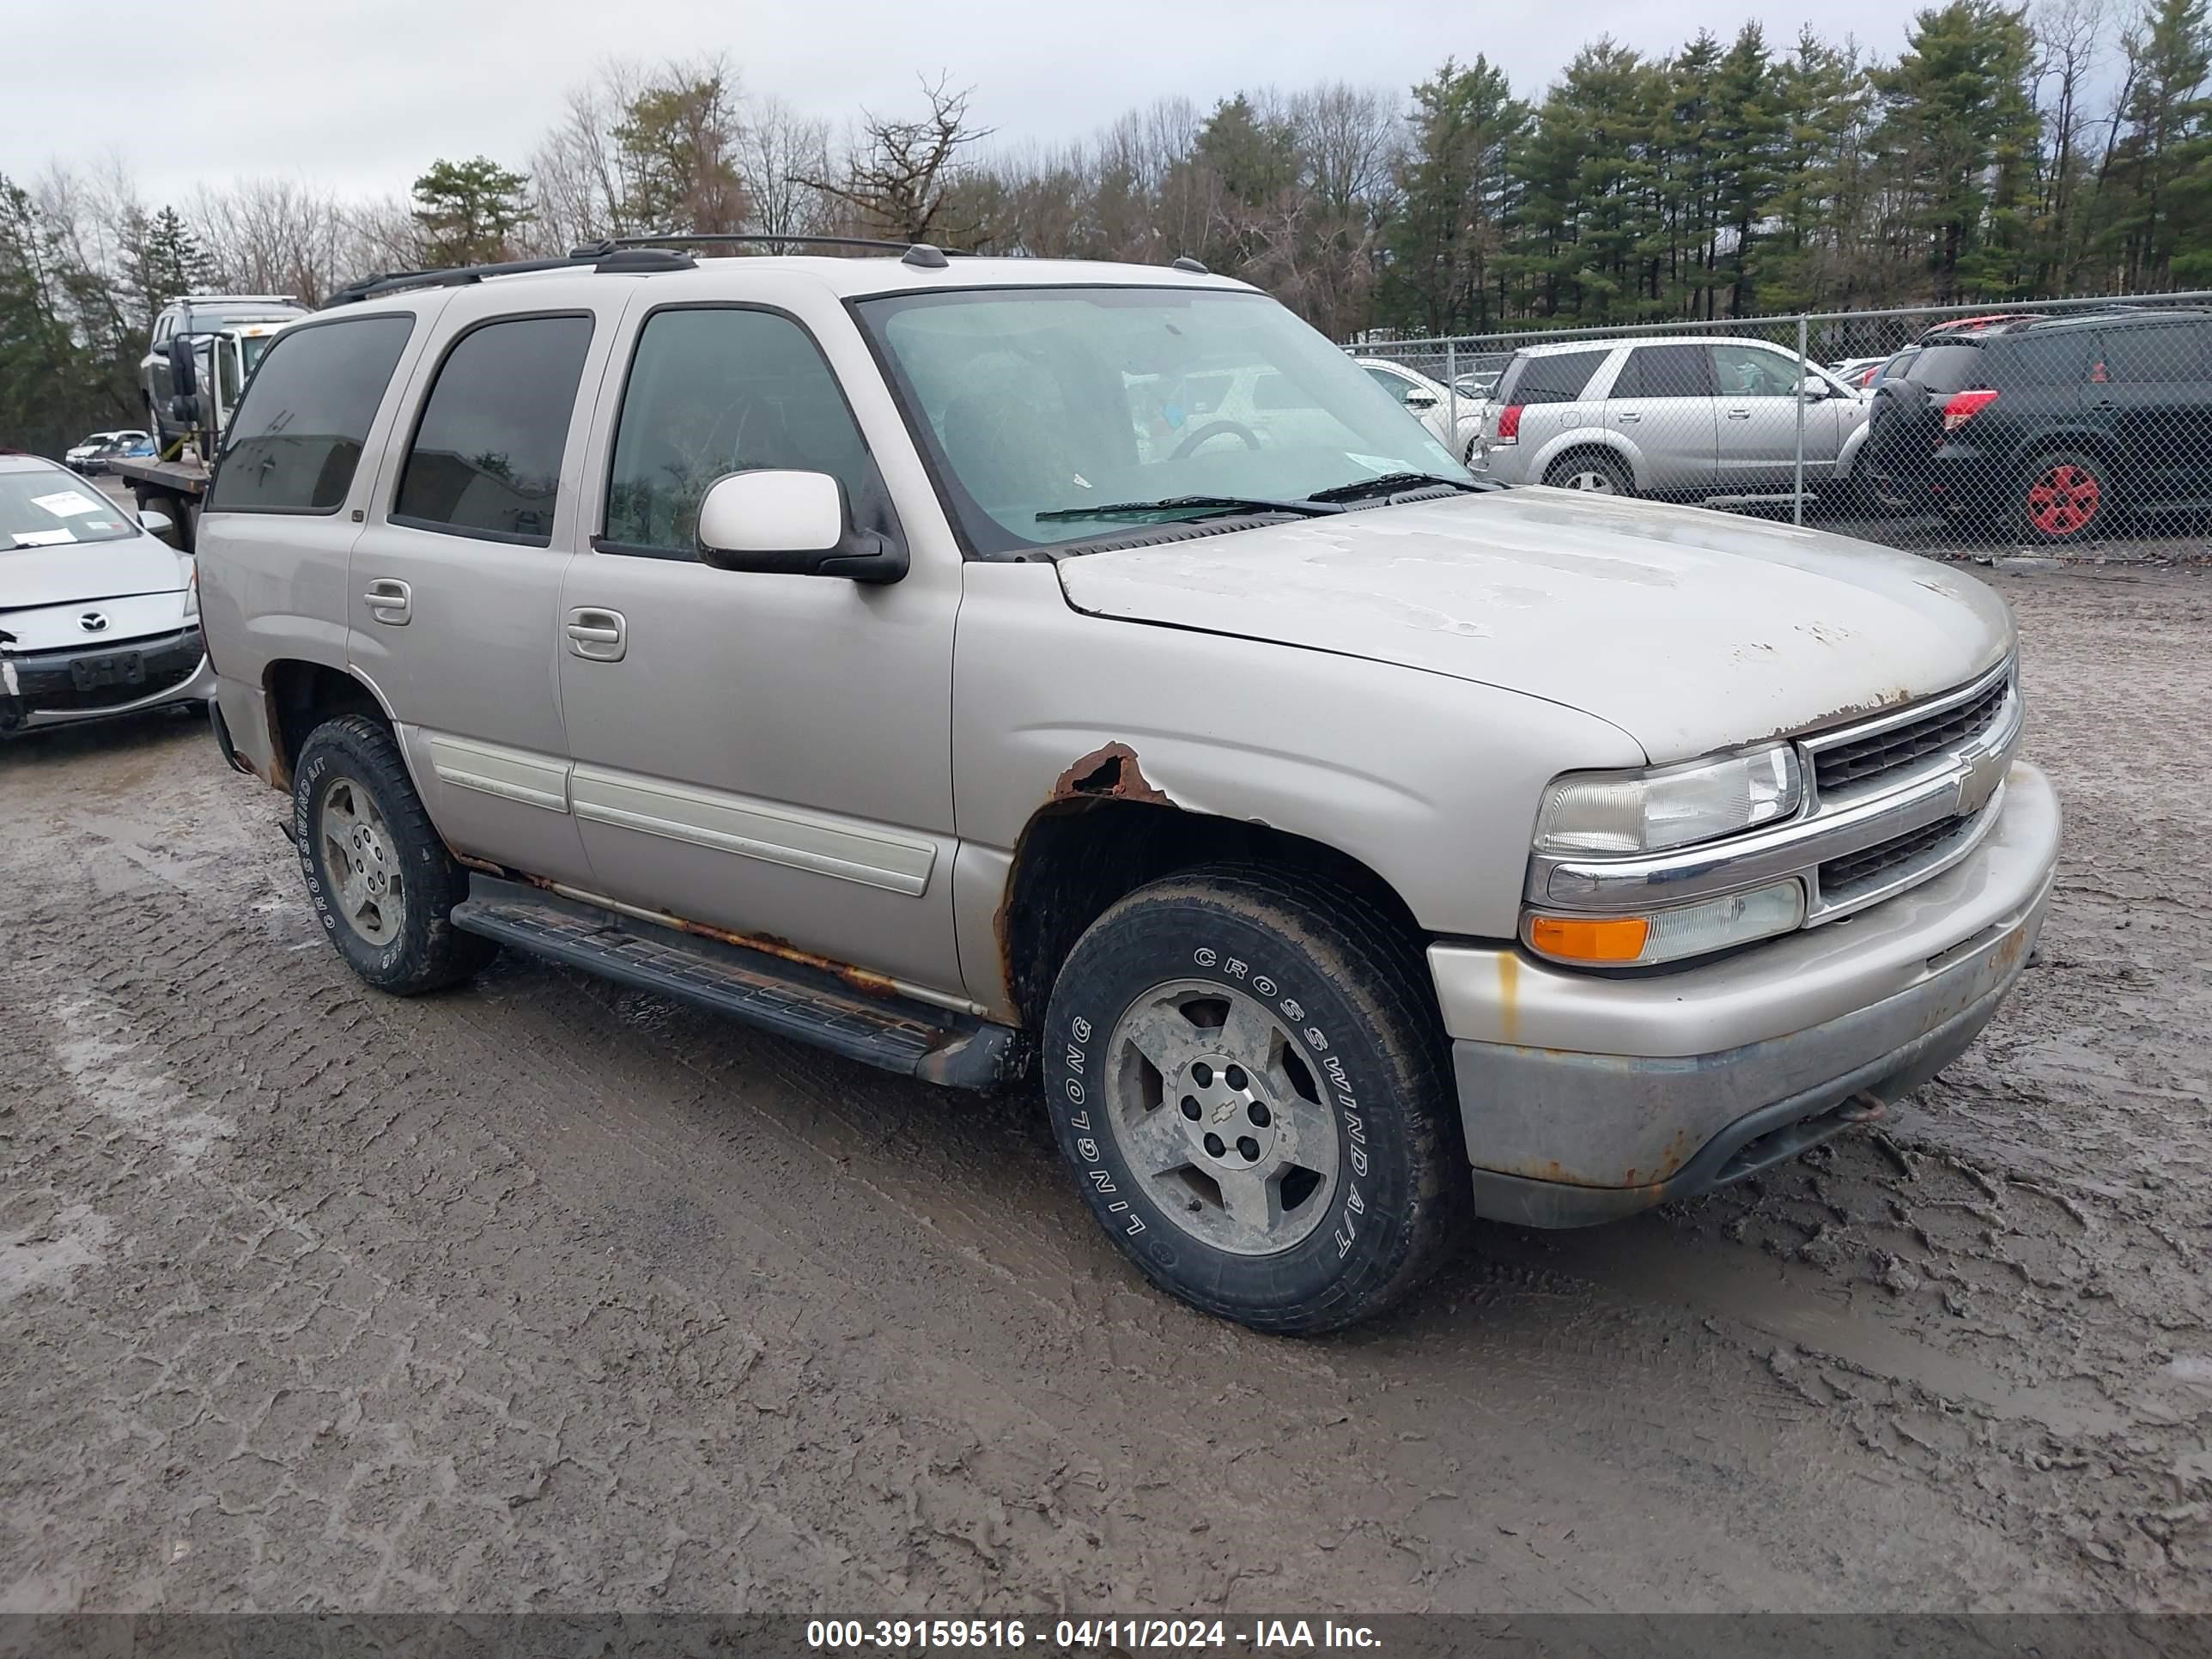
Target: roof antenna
925, 257
1186, 263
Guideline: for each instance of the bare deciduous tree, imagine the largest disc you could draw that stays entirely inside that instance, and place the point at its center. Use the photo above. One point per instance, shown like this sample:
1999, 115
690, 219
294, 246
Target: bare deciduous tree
780, 153
900, 174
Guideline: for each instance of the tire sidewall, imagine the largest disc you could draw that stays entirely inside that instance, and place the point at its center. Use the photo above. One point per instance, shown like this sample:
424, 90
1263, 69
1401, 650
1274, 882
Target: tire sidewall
1594, 460
1361, 1243
335, 751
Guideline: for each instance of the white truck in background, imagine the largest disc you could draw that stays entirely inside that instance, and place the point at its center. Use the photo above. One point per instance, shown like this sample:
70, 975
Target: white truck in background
205, 348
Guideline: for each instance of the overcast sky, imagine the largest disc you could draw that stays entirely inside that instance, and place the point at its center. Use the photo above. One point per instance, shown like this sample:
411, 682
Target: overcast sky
361, 97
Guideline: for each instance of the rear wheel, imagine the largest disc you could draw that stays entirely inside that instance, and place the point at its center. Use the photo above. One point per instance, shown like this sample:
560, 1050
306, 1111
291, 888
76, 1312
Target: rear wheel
1250, 1079
1591, 471
2065, 496
383, 884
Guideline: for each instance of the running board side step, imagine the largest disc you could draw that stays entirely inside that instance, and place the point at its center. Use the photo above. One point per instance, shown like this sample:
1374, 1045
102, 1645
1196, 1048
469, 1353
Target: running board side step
789, 998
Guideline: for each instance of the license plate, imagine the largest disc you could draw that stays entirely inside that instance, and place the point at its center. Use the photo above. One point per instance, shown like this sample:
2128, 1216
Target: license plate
124, 668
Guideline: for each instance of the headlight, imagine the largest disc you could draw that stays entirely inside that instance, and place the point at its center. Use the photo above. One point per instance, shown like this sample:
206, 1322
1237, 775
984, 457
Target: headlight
1689, 930
1611, 813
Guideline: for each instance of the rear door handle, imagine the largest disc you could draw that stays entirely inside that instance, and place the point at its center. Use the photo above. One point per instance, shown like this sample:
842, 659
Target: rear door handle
2103, 406
392, 602
1628, 417
1739, 414
596, 635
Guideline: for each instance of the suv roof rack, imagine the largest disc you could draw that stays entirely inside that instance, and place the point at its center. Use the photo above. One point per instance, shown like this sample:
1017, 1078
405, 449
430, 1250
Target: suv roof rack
600, 255
741, 239
632, 254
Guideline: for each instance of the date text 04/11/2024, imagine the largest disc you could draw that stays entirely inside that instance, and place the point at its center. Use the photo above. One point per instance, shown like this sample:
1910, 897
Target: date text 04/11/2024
1078, 1635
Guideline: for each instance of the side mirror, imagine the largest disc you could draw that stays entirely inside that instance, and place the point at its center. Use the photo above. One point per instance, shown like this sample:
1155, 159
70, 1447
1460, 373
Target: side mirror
1420, 400
183, 369
795, 524
1812, 389
155, 522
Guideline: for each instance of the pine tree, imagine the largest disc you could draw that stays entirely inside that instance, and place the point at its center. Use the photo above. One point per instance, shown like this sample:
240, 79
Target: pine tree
1956, 112
163, 259
1457, 198
1747, 123
465, 211
2156, 188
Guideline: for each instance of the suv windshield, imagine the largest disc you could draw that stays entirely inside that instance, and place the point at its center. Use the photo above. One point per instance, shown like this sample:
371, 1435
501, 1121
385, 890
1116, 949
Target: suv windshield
47, 508
1035, 403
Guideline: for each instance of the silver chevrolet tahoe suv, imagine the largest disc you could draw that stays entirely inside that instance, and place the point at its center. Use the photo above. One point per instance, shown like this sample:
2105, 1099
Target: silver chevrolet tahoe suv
884, 651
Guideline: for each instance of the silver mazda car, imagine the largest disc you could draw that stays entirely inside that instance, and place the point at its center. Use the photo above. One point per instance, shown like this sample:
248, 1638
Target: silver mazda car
97, 615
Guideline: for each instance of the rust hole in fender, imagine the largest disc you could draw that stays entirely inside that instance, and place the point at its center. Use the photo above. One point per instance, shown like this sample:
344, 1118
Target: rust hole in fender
1108, 773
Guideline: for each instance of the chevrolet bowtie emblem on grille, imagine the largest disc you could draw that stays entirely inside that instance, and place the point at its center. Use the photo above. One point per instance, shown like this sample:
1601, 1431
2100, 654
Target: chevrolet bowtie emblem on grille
93, 622
1981, 782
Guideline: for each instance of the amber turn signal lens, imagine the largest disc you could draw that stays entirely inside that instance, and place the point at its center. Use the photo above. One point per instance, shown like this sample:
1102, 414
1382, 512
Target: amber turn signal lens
1590, 939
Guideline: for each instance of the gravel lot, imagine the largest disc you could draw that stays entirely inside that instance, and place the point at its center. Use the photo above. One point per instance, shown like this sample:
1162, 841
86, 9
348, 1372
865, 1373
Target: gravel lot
549, 1295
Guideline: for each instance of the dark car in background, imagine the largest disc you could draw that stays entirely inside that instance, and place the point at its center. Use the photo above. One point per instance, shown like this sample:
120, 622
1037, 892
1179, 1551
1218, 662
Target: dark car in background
2053, 429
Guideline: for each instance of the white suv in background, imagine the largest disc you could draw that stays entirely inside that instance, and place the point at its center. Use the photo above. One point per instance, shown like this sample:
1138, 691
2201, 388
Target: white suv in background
1694, 419
1456, 420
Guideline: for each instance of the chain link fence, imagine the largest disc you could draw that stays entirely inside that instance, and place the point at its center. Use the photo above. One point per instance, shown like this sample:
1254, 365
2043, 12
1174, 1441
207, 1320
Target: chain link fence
2052, 424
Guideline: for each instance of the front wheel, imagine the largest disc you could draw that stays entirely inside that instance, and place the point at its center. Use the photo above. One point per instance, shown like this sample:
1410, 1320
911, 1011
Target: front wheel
2065, 497
1251, 1080
384, 885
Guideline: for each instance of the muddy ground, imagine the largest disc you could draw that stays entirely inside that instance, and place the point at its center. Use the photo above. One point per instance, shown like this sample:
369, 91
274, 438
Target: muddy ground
549, 1295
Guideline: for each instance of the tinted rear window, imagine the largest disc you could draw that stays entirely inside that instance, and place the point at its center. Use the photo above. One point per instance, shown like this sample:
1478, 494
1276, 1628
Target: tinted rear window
1667, 371
2160, 351
486, 459
1555, 378
1950, 367
297, 436
2059, 358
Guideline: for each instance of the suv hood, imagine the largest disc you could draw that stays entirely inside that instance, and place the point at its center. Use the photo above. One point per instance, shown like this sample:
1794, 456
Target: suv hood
1691, 630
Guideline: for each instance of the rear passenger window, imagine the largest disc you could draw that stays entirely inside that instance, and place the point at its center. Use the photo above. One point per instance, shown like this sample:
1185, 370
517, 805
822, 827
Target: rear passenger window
2167, 352
1667, 371
2060, 358
1555, 378
486, 458
297, 437
713, 390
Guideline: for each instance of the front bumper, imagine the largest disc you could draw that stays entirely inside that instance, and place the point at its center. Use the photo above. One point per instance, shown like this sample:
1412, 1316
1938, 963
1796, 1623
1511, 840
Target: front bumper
1585, 1098
50, 688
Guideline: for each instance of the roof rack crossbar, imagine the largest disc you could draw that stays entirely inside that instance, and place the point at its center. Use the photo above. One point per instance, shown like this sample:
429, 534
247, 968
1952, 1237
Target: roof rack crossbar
740, 238
389, 281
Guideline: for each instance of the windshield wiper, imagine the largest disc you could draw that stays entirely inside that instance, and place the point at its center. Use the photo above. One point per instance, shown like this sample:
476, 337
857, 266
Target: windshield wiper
1389, 483
1312, 507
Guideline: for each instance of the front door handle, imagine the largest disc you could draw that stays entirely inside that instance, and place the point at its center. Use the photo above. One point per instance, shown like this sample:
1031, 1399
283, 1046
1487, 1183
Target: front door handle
596, 635
391, 602
1739, 414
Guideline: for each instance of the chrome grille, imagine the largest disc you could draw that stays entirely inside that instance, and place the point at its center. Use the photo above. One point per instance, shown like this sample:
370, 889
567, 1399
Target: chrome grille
1838, 876
1855, 760
1898, 746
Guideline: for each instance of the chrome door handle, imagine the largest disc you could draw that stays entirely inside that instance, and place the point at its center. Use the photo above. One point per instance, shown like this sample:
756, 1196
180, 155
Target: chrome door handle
392, 602
1629, 418
596, 635
1739, 414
